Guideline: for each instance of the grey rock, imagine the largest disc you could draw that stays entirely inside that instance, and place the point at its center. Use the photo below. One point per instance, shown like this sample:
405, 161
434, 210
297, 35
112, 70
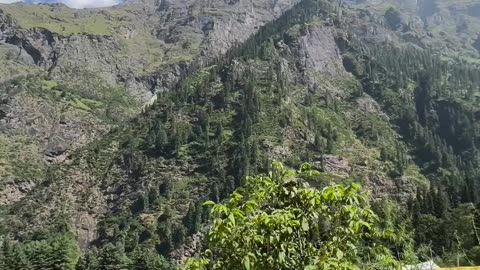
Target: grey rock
216, 25
14, 192
476, 44
395, 20
56, 151
12, 52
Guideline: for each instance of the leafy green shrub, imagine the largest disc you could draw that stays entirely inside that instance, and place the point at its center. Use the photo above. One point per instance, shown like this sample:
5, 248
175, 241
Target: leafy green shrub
279, 222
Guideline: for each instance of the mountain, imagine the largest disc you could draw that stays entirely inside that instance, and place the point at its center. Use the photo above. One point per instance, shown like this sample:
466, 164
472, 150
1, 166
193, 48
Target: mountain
117, 123
102, 64
449, 27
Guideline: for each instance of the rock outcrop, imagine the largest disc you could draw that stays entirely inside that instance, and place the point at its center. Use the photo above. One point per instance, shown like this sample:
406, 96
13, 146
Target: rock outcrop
149, 44
476, 44
143, 46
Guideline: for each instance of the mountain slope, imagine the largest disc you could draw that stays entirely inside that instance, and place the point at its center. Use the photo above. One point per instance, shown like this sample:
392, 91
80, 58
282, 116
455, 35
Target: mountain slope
294, 102
69, 75
323, 83
450, 28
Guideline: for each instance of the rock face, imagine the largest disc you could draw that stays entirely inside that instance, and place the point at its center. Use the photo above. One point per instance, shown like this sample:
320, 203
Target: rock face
242, 19
313, 51
143, 46
318, 51
14, 193
476, 44
146, 44
442, 25
395, 20
336, 165
52, 125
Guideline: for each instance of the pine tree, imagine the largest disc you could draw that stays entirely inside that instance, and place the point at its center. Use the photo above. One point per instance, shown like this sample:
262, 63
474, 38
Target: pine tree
3, 259
401, 160
146, 259
15, 257
219, 133
441, 204
89, 261
65, 253
214, 192
318, 143
161, 140
229, 186
198, 217
165, 233
190, 219
178, 235
112, 258
331, 137
383, 154
255, 158
39, 254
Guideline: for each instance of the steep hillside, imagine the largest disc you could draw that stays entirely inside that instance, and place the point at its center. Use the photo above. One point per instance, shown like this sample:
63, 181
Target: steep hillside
286, 96
450, 28
127, 44
69, 76
363, 98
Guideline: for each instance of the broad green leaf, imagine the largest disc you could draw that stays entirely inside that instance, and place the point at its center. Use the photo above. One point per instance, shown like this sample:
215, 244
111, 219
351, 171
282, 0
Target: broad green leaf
209, 203
305, 226
246, 262
281, 256
339, 254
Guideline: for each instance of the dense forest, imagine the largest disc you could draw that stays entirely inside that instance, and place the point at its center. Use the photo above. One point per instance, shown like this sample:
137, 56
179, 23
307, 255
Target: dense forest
215, 139
439, 124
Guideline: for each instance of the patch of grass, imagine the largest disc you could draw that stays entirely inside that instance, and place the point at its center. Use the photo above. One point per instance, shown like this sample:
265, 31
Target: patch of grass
79, 104
60, 19
414, 175
49, 85
20, 159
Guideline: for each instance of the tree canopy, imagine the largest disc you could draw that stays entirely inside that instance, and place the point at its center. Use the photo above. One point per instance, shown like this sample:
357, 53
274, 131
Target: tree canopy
278, 221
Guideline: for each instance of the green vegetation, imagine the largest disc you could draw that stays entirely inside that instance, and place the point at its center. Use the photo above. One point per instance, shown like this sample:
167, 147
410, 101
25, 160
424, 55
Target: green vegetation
277, 221
20, 160
404, 124
40, 110
434, 110
62, 252
56, 252
60, 19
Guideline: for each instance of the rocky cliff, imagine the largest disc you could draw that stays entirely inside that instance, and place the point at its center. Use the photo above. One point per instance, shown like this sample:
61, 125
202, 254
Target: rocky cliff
448, 27
142, 45
91, 69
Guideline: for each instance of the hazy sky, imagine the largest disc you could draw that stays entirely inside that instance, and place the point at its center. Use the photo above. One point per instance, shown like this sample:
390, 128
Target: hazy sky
72, 3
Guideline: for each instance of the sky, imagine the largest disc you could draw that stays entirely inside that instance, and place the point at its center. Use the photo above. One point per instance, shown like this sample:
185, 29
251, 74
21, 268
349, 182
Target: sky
72, 3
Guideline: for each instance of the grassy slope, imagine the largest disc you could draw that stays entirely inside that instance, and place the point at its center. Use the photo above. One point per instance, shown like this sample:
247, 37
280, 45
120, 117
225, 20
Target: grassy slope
61, 19
130, 25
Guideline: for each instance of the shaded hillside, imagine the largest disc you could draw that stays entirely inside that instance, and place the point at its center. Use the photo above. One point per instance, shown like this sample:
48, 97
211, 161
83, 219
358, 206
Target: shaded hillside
350, 92
69, 76
450, 28
285, 96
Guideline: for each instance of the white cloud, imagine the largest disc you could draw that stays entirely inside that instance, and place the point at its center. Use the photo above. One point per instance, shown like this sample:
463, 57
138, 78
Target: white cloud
88, 3
72, 3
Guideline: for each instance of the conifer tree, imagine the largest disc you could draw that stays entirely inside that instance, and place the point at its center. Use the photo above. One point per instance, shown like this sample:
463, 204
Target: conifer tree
89, 261
112, 258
